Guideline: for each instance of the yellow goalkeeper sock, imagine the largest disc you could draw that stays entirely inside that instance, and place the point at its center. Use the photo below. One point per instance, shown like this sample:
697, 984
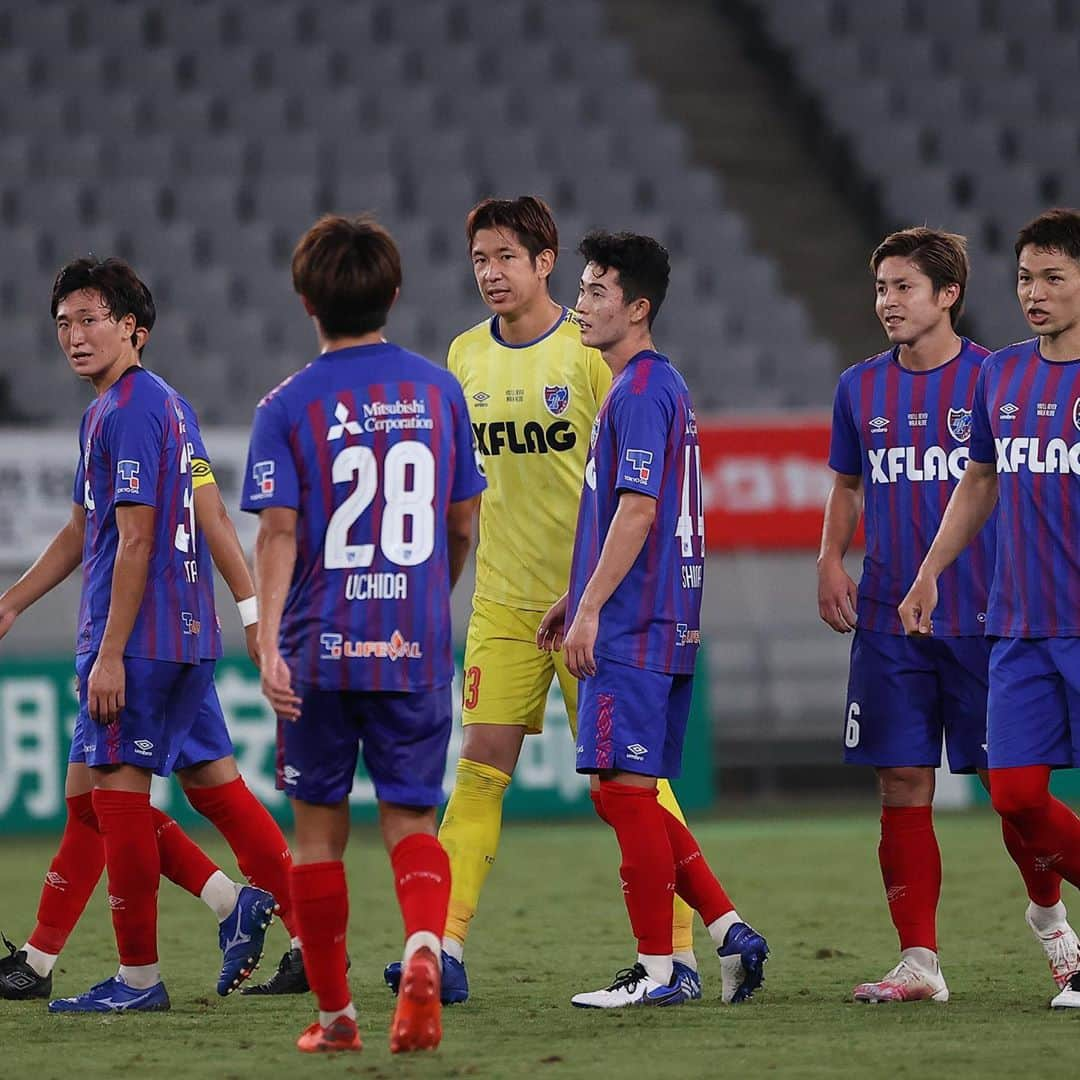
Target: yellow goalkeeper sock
682, 916
470, 834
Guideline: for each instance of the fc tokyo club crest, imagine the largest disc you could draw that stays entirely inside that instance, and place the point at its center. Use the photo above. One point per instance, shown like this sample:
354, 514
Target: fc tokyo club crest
557, 399
959, 421
1076, 414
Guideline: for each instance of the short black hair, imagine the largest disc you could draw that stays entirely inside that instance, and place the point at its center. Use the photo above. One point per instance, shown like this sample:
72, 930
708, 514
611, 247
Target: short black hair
642, 262
941, 256
1054, 230
122, 290
527, 216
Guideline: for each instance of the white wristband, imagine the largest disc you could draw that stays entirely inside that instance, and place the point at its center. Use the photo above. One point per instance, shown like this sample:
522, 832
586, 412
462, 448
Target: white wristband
249, 611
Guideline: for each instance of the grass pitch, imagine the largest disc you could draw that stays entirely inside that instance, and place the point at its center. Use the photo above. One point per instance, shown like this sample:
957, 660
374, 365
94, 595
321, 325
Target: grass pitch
553, 923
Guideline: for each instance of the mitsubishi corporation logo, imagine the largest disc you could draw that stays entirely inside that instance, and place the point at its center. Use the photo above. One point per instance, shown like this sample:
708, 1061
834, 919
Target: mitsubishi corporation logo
343, 425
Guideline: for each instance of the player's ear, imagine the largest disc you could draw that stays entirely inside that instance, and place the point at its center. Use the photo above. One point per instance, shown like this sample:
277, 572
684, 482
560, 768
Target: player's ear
639, 310
394, 298
949, 295
545, 263
308, 306
142, 335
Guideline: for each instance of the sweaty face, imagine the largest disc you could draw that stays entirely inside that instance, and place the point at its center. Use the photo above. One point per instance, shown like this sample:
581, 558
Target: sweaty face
906, 302
1048, 288
506, 275
91, 338
604, 316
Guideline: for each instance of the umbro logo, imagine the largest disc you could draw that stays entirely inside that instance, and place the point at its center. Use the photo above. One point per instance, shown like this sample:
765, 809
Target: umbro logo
1008, 411
144, 747
291, 774
636, 752
878, 425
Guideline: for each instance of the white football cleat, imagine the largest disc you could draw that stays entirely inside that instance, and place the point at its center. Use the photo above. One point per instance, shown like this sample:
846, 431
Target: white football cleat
1069, 998
634, 986
1062, 948
906, 982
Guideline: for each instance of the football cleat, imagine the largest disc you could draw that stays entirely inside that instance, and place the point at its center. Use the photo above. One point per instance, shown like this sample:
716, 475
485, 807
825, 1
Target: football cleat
417, 1022
342, 1034
241, 937
634, 986
906, 982
455, 982
690, 979
18, 980
114, 995
742, 963
290, 978
1062, 950
1069, 998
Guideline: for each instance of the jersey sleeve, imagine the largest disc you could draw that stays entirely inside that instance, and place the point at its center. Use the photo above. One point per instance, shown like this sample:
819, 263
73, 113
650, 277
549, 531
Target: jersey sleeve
78, 487
641, 422
134, 437
845, 455
982, 436
468, 464
270, 478
202, 472
599, 376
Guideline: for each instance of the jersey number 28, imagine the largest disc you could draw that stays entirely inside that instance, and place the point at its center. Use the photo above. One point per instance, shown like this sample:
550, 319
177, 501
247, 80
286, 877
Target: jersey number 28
407, 536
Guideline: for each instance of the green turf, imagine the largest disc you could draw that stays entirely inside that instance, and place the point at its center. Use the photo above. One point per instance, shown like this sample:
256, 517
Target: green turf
552, 924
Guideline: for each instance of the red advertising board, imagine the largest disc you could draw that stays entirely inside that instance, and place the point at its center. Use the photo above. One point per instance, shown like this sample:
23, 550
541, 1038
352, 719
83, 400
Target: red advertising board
765, 479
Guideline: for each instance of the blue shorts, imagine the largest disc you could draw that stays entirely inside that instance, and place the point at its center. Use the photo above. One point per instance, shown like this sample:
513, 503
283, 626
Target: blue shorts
904, 693
1033, 716
161, 703
403, 737
632, 719
208, 739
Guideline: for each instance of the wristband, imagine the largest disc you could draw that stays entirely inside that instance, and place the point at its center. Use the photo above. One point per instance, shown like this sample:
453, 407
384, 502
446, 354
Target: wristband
249, 611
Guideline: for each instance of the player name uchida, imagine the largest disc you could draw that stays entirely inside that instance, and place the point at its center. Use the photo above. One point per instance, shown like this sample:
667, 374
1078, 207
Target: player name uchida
893, 463
377, 587
1016, 452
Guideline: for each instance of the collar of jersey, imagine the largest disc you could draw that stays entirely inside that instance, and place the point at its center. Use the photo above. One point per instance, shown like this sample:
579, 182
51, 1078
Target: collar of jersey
1056, 363
535, 341
894, 357
333, 353
648, 354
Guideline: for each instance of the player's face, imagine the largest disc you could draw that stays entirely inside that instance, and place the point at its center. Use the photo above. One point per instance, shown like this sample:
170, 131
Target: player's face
1048, 287
906, 302
508, 278
91, 338
604, 314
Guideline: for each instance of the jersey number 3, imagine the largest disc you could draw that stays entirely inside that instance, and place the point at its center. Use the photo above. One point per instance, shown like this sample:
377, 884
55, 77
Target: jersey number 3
407, 535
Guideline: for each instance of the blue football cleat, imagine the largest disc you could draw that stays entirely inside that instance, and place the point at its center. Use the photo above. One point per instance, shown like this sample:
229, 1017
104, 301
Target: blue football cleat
114, 995
742, 963
634, 986
241, 937
690, 979
455, 983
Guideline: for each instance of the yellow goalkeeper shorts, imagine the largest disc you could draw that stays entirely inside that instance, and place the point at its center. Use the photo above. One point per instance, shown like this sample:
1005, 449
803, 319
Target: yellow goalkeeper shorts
507, 677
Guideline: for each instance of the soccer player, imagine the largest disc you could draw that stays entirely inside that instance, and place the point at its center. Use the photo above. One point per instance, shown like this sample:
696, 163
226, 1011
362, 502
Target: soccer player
210, 777
1025, 459
533, 391
363, 471
901, 429
633, 617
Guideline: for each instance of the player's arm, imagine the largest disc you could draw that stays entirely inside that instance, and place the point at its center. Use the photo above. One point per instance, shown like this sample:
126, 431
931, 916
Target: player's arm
972, 502
220, 534
459, 528
836, 590
275, 559
134, 546
630, 526
53, 565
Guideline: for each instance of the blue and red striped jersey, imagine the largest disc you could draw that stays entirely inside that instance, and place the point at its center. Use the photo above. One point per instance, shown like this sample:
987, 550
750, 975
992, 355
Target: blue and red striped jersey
369, 445
134, 449
908, 434
645, 440
1027, 421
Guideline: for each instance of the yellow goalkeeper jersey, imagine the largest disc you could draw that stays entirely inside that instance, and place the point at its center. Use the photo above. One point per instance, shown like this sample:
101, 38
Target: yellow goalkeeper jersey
532, 408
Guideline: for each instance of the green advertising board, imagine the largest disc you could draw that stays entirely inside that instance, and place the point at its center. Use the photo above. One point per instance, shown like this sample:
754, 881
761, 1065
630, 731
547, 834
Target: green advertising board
37, 713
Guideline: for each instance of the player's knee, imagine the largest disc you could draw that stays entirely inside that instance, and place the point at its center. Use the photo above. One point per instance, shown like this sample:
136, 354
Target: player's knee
1016, 793
906, 786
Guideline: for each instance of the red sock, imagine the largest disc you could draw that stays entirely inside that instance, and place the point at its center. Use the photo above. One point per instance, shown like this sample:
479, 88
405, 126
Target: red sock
1048, 828
648, 865
255, 838
73, 874
422, 881
694, 881
320, 904
131, 858
183, 862
911, 870
1043, 885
